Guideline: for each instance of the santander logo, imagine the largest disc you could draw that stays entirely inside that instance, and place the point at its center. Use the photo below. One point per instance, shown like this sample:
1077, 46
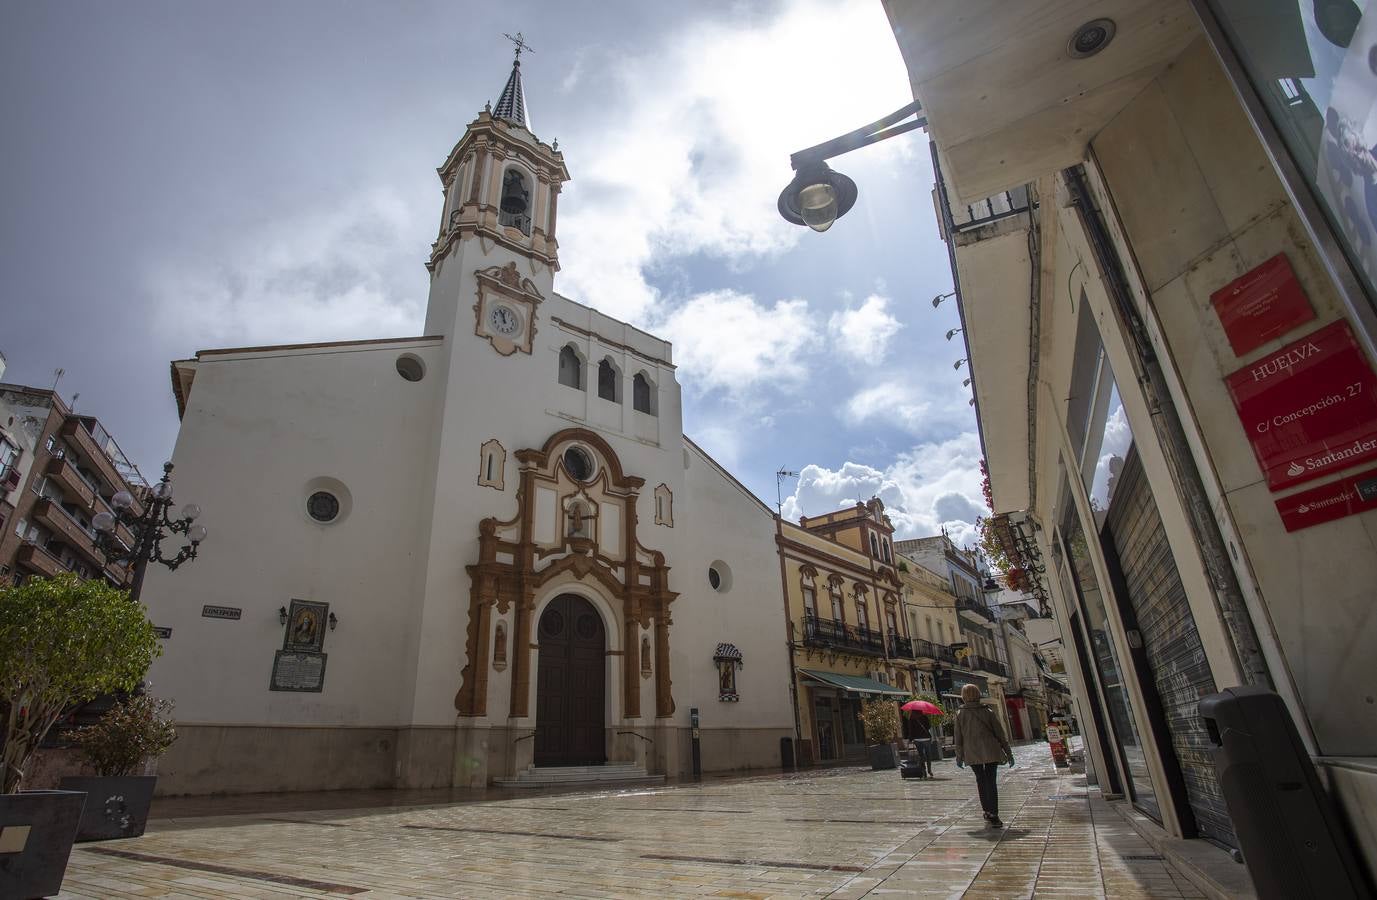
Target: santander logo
1295, 469
1303, 508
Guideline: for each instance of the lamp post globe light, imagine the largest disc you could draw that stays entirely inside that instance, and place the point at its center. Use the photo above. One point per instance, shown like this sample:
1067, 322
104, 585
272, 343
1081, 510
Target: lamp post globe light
148, 529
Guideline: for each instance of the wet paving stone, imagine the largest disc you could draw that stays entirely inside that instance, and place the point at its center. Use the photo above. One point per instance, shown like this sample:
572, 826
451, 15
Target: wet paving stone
843, 833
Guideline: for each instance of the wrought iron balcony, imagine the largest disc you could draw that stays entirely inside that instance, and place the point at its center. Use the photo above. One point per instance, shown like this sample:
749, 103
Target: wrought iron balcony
980, 609
900, 646
985, 664
832, 633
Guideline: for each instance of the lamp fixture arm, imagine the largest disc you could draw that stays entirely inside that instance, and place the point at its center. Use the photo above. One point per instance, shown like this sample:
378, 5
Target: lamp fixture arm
876, 131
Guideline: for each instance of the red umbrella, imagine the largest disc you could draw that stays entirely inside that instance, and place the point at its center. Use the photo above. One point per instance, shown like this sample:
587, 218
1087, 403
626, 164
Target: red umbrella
922, 706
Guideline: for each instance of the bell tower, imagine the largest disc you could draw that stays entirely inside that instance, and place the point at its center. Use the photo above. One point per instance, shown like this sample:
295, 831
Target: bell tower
501, 188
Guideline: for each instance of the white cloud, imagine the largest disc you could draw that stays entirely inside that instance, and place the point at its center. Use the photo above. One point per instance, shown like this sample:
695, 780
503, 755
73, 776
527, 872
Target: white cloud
864, 333
331, 273
934, 485
727, 341
892, 403
694, 148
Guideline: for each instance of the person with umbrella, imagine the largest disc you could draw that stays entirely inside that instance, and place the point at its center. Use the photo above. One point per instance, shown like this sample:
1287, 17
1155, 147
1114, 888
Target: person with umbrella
980, 741
927, 747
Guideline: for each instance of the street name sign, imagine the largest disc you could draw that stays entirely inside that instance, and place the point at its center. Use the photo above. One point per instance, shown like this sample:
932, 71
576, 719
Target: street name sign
1310, 408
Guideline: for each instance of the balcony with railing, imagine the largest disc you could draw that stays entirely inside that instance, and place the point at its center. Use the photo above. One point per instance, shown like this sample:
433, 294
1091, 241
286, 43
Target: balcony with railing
900, 646
985, 664
34, 558
67, 529
832, 633
73, 485
974, 606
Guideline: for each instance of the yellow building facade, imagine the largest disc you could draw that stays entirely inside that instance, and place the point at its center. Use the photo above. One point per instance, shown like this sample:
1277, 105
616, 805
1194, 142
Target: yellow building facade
849, 637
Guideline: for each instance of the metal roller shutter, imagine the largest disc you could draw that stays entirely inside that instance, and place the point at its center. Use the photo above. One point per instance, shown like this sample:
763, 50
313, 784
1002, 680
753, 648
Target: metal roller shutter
1172, 644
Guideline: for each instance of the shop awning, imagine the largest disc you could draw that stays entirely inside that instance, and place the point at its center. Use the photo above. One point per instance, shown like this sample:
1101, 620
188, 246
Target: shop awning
854, 684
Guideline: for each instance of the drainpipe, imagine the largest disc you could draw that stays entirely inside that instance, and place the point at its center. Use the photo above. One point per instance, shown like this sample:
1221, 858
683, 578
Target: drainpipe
1227, 596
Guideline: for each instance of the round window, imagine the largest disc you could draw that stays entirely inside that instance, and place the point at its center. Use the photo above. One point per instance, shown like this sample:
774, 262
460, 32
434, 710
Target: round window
719, 576
715, 579
410, 367
578, 463
323, 506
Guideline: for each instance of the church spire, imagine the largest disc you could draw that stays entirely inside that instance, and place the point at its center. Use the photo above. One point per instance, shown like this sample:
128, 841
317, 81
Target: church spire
511, 105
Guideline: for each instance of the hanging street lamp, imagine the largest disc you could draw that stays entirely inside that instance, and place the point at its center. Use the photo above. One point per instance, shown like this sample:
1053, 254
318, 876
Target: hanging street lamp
149, 529
818, 195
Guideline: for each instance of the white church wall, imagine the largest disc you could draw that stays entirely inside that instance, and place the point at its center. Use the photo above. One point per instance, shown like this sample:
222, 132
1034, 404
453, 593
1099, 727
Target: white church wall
717, 521
259, 428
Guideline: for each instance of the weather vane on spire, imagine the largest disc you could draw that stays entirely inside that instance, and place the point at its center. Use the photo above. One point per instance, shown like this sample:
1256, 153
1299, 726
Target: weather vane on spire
520, 45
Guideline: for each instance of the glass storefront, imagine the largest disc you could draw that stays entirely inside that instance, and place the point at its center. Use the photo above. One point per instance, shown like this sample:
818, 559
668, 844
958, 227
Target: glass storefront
1313, 63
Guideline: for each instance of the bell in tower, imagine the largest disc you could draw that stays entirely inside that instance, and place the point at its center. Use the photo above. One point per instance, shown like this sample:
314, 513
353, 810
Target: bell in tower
501, 185
516, 201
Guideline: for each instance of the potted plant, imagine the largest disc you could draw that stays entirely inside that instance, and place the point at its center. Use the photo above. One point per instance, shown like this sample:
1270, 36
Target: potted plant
881, 721
62, 641
135, 730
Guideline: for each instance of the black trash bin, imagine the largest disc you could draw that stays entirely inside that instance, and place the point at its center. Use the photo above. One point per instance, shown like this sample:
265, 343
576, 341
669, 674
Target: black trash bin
786, 753
1289, 830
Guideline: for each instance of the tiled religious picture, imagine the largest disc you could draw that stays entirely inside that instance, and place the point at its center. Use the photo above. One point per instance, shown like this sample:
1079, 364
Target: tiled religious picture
728, 659
305, 627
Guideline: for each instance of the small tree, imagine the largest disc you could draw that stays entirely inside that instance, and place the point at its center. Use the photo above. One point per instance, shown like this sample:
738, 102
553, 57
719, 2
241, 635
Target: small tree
64, 641
944, 719
881, 721
132, 730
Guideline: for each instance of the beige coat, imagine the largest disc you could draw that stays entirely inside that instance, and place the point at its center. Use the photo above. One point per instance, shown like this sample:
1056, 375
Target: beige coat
978, 735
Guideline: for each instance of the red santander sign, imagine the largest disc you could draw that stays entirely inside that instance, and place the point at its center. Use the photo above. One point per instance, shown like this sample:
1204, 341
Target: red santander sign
1310, 408
1262, 305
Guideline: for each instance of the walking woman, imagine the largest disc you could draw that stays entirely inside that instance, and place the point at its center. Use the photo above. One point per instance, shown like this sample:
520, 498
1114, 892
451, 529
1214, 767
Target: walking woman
980, 741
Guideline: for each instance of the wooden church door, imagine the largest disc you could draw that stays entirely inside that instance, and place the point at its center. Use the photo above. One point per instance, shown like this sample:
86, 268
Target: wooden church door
569, 688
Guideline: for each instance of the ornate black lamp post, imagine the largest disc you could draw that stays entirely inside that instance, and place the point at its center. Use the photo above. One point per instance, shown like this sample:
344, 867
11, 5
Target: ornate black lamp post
148, 529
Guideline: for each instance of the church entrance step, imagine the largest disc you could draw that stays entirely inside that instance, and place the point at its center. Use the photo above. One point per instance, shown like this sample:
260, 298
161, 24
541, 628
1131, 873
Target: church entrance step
554, 776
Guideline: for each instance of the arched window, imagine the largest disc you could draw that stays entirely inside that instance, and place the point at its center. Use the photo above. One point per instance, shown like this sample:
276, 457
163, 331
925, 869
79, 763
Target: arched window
609, 381
888, 557
570, 367
642, 397
862, 612
810, 594
874, 547
516, 201
834, 588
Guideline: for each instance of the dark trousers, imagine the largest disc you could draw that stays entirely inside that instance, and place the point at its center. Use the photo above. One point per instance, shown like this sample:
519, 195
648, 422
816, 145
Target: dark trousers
985, 783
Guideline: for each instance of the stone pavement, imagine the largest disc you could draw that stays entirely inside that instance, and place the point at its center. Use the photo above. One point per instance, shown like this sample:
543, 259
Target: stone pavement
841, 833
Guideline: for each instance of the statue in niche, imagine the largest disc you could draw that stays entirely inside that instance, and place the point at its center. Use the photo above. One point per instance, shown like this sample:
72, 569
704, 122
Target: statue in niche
576, 520
499, 652
645, 657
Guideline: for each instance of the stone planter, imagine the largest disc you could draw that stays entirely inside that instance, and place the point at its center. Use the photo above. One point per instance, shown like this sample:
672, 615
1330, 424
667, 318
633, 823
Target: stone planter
882, 756
36, 833
115, 807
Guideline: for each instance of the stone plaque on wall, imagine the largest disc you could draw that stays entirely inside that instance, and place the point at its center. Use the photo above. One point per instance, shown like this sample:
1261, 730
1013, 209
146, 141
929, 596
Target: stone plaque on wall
298, 671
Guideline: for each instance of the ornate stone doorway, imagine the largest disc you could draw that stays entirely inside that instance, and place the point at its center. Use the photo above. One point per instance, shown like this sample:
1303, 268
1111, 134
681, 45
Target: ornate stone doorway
570, 695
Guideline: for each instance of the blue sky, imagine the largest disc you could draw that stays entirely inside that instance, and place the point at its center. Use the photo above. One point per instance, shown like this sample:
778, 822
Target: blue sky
185, 175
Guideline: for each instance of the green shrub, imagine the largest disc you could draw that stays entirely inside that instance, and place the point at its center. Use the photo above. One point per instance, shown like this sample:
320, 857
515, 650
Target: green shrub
64, 641
133, 730
881, 721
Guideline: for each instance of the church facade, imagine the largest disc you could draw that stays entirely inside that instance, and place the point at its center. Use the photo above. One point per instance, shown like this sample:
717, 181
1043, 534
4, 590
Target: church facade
451, 559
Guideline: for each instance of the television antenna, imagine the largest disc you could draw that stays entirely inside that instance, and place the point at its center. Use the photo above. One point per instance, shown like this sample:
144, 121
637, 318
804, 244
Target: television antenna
779, 488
